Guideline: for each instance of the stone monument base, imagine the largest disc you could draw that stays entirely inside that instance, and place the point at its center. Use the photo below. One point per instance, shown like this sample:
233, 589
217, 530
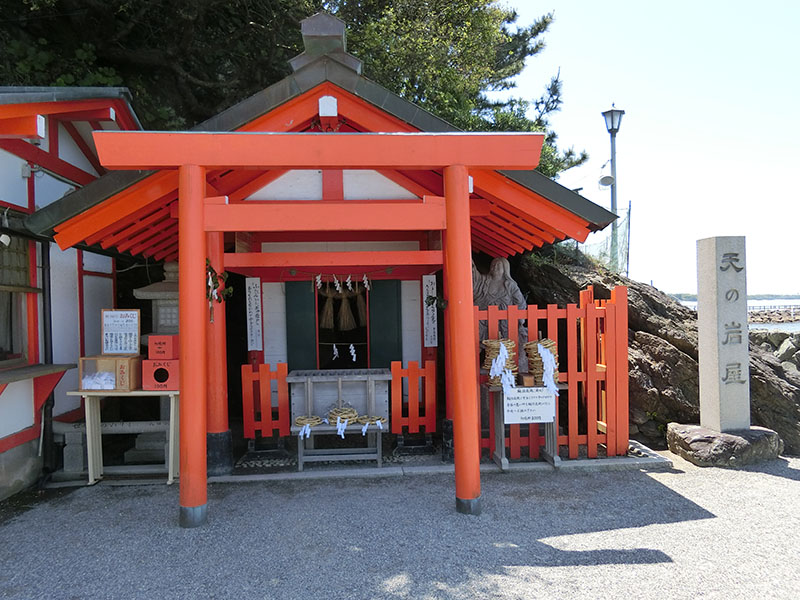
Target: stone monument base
708, 448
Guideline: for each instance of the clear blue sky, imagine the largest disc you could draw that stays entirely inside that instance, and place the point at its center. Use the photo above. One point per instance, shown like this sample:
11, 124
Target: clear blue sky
710, 141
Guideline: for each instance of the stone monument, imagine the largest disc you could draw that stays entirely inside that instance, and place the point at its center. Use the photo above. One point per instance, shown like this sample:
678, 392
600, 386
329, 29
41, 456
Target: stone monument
723, 343
724, 437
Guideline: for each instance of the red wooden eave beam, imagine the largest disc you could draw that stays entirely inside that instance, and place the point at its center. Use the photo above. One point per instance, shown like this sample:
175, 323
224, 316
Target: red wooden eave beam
96, 115
520, 199
132, 231
27, 127
171, 232
147, 150
50, 108
114, 210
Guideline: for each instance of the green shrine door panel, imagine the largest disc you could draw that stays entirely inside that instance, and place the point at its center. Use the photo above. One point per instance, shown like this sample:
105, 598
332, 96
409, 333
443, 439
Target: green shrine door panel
385, 327
302, 323
301, 338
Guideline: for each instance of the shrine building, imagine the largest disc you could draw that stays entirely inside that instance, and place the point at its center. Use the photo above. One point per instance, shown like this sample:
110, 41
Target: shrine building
346, 219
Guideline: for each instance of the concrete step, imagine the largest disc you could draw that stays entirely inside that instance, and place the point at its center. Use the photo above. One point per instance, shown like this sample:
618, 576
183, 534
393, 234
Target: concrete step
151, 441
137, 456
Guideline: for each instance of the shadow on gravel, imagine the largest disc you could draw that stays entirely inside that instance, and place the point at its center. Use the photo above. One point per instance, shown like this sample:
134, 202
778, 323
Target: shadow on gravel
27, 499
349, 538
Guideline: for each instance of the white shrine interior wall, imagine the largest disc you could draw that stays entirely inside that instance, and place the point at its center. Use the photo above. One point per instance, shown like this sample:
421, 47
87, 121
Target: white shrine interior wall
363, 184
13, 186
306, 184
273, 306
16, 409
48, 189
98, 293
68, 150
339, 247
297, 185
411, 321
66, 333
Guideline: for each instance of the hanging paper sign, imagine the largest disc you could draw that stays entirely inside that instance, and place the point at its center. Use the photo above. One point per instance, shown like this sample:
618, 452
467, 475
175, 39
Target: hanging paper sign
529, 405
252, 286
430, 315
120, 331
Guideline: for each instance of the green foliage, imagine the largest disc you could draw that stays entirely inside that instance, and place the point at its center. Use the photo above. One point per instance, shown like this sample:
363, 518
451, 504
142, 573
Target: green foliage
445, 55
560, 253
183, 61
186, 61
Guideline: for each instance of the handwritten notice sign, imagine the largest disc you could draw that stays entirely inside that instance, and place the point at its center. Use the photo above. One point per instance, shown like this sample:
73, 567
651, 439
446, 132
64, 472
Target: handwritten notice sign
430, 315
120, 331
252, 286
529, 405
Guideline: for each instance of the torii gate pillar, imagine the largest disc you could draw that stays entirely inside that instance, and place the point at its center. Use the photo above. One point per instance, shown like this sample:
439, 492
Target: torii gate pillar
461, 341
192, 321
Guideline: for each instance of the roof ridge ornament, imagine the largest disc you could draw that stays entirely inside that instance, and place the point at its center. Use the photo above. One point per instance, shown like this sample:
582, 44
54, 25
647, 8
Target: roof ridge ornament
324, 35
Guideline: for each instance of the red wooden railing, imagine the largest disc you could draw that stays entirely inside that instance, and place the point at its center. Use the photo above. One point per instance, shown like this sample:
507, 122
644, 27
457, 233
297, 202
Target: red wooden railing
421, 397
593, 372
260, 414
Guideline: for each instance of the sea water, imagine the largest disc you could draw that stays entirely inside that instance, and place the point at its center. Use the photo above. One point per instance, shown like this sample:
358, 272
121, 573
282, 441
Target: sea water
763, 305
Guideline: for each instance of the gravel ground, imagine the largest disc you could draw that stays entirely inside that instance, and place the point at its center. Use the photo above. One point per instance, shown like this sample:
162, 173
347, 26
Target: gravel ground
681, 533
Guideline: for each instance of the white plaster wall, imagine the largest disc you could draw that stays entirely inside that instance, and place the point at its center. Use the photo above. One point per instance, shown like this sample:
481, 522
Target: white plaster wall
66, 340
292, 185
338, 246
68, 150
410, 321
13, 187
48, 189
358, 184
97, 262
16, 407
274, 312
98, 293
370, 185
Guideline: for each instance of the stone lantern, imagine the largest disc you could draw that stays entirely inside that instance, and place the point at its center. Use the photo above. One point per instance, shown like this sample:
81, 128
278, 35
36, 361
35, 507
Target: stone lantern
164, 295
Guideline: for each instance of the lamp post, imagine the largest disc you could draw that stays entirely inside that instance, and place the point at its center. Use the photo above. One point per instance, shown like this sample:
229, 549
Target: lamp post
613, 118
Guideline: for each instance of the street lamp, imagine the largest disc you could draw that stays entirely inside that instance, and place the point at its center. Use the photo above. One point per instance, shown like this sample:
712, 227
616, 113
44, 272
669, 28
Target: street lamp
613, 118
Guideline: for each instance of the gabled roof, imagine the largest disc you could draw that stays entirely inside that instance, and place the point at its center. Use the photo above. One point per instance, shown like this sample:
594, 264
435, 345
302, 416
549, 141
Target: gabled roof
26, 111
524, 209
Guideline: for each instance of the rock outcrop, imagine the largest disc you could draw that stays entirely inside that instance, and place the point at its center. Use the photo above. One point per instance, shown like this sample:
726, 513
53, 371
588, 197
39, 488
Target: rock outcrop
664, 382
707, 448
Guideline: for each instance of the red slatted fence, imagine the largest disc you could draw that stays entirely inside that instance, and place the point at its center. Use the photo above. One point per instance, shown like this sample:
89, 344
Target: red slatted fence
593, 373
260, 414
419, 409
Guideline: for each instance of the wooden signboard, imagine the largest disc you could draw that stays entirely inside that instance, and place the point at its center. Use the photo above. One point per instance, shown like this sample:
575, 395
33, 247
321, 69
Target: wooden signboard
430, 314
121, 330
529, 405
252, 287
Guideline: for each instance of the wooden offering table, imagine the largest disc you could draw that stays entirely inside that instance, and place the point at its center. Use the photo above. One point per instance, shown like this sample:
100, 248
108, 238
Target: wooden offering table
94, 445
317, 392
550, 450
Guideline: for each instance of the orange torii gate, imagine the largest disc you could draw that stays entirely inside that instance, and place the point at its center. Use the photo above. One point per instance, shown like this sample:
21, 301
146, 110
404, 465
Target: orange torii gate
457, 154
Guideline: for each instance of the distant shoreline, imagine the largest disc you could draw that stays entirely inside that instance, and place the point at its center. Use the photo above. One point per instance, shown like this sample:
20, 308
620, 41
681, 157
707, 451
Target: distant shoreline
693, 297
774, 316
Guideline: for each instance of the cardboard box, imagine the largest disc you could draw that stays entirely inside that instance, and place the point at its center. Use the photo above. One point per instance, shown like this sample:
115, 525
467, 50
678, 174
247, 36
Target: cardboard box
162, 347
160, 374
106, 372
